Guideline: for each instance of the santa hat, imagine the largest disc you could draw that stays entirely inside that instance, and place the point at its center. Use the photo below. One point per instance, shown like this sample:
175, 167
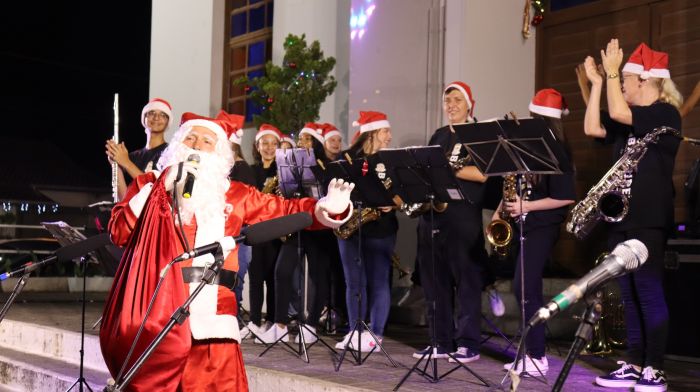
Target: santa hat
268, 129
157, 104
465, 90
288, 139
647, 63
371, 121
549, 102
313, 129
225, 126
329, 130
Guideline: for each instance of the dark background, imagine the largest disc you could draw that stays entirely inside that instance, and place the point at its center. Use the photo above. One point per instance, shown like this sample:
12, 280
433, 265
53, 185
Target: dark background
60, 65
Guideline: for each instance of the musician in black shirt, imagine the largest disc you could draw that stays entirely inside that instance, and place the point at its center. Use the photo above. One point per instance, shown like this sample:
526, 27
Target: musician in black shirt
641, 98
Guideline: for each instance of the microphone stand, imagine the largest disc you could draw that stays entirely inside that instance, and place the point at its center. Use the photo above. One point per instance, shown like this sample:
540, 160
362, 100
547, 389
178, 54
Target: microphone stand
583, 335
15, 292
178, 317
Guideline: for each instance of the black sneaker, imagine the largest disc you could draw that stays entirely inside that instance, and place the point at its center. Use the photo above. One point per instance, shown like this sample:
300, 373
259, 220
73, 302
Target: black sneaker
464, 355
424, 353
624, 377
652, 380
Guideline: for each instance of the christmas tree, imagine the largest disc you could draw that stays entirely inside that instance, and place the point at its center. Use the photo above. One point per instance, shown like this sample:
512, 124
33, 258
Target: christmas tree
291, 95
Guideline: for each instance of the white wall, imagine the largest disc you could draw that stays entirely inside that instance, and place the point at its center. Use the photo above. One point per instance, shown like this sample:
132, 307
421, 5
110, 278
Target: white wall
484, 48
187, 39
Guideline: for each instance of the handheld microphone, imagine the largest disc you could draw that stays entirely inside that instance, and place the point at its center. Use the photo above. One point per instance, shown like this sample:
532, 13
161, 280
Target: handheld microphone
65, 253
189, 180
254, 234
626, 257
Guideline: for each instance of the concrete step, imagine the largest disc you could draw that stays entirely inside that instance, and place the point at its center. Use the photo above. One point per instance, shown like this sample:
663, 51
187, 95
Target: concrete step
21, 371
51, 343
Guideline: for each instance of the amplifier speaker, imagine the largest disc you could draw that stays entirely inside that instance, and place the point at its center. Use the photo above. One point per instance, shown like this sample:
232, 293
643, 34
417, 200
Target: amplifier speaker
682, 295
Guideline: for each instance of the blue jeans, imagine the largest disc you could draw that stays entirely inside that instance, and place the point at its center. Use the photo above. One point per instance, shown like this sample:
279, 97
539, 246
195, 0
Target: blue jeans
245, 254
369, 280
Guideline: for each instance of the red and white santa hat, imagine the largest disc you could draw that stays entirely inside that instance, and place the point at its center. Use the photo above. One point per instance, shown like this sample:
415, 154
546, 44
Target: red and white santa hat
371, 121
329, 130
648, 63
268, 129
313, 129
289, 139
225, 126
157, 104
465, 90
549, 102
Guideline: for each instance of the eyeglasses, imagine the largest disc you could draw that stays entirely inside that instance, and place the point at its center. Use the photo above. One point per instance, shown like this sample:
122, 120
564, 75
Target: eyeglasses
156, 115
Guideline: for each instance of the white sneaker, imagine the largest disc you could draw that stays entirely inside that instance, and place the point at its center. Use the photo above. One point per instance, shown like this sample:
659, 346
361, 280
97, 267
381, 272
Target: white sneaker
271, 335
341, 345
533, 366
498, 308
367, 342
309, 337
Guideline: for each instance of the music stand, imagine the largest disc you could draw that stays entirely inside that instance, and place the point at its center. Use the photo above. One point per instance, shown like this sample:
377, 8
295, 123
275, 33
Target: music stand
420, 175
66, 235
519, 147
369, 191
297, 179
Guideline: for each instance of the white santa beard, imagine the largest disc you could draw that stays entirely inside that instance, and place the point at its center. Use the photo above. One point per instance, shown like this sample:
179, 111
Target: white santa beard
208, 198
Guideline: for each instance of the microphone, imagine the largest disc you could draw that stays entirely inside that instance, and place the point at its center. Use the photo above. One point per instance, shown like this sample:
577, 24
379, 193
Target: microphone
254, 234
65, 253
626, 257
189, 180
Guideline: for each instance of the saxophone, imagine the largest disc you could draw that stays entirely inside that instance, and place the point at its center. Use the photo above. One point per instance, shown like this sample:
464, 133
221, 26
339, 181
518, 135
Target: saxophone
499, 232
271, 186
347, 229
606, 200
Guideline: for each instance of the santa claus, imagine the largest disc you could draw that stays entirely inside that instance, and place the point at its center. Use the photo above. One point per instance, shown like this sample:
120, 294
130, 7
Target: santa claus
156, 224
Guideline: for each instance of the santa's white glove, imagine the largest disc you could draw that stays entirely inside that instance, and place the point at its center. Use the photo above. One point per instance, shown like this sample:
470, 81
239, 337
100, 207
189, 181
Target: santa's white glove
187, 167
336, 201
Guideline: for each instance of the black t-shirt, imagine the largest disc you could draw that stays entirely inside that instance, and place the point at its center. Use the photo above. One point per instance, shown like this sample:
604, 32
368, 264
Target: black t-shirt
556, 186
473, 191
387, 224
145, 158
651, 192
242, 172
261, 174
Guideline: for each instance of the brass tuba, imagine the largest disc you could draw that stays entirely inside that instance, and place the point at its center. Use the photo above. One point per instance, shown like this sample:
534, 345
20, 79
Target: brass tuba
500, 231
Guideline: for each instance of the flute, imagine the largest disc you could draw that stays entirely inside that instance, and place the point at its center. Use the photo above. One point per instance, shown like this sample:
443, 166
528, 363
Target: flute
115, 137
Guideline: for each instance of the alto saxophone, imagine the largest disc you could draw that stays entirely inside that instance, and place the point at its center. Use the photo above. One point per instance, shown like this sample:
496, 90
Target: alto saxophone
606, 200
499, 232
271, 186
349, 228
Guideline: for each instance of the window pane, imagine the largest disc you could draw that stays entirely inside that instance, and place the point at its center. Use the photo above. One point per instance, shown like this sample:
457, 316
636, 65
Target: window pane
239, 24
269, 14
257, 18
238, 58
236, 91
238, 4
256, 53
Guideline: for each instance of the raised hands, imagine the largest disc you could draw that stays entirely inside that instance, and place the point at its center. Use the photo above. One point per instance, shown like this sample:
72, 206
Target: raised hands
612, 57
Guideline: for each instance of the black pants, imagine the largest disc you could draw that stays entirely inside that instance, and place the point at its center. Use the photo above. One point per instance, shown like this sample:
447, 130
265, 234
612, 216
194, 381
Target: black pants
539, 243
316, 253
646, 313
454, 272
262, 272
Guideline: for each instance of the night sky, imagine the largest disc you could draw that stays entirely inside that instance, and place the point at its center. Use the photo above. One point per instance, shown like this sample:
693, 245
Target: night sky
61, 63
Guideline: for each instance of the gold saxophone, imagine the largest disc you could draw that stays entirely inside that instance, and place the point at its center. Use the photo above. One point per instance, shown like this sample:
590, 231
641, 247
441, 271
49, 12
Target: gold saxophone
500, 231
349, 228
271, 186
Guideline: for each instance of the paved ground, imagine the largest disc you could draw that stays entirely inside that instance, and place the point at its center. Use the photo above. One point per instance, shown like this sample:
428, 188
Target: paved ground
376, 373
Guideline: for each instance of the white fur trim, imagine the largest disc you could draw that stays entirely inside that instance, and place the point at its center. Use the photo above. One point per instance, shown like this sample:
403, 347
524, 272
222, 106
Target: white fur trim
332, 133
266, 132
374, 125
227, 243
139, 200
545, 110
236, 137
208, 125
653, 72
316, 133
214, 326
322, 216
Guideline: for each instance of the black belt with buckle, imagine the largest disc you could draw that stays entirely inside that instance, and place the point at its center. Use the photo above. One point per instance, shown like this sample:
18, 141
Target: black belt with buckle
226, 278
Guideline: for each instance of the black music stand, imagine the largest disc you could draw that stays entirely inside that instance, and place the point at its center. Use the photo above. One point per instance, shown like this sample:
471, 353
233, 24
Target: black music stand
423, 175
369, 191
520, 147
297, 179
66, 235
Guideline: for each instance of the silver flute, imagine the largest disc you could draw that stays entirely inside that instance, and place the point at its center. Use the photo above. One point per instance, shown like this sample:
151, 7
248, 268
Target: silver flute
115, 137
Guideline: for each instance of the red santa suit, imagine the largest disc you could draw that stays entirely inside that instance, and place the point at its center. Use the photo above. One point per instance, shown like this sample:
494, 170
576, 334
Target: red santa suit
202, 354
